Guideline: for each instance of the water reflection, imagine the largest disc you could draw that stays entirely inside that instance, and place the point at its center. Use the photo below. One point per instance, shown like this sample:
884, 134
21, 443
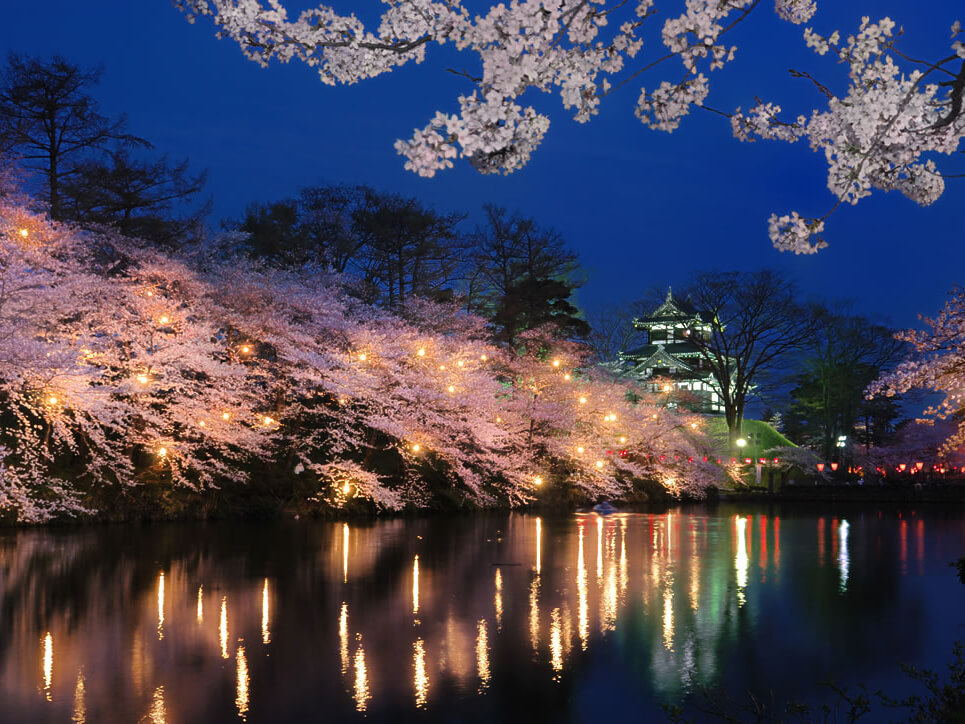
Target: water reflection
223, 628
79, 715
843, 560
420, 678
48, 665
671, 599
241, 674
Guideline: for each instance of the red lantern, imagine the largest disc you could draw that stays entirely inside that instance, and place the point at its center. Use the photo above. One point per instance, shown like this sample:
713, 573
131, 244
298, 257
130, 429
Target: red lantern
919, 465
690, 459
705, 458
820, 467
903, 467
777, 460
834, 466
747, 460
762, 461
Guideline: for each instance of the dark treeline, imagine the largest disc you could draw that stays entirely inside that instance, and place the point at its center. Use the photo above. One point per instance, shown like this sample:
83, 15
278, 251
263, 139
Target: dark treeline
507, 269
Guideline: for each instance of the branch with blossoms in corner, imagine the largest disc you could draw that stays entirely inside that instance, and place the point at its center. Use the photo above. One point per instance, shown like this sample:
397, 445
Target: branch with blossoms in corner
881, 135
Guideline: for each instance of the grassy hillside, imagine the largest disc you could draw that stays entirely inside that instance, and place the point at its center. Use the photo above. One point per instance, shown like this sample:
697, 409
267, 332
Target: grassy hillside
767, 436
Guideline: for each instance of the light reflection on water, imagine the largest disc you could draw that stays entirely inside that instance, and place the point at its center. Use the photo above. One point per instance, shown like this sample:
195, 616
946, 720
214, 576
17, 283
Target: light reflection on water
672, 598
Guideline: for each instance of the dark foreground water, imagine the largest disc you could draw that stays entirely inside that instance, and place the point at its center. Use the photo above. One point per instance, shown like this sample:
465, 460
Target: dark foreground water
484, 618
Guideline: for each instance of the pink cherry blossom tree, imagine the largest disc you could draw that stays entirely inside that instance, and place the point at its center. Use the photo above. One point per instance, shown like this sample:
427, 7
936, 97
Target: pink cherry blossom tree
131, 375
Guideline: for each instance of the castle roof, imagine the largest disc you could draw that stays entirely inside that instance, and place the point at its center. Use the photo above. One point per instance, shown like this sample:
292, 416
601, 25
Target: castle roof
672, 311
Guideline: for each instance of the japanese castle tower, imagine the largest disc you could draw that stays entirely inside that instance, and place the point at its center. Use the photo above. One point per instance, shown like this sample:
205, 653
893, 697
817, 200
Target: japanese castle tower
670, 355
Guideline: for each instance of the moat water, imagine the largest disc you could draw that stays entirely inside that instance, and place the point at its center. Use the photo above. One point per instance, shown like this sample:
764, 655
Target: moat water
495, 617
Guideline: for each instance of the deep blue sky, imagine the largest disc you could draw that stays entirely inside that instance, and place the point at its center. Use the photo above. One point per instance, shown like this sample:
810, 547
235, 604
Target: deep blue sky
642, 208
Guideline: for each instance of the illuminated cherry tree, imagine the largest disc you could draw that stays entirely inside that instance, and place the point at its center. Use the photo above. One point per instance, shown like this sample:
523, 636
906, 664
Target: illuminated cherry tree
126, 370
938, 366
882, 134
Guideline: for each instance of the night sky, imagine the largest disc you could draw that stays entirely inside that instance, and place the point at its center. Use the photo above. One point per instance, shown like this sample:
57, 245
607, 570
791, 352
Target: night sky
642, 208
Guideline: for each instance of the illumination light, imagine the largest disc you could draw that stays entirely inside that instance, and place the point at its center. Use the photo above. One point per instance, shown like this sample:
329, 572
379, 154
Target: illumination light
599, 463
451, 388
556, 363
226, 416
421, 352
245, 349
268, 420
162, 452
142, 379
580, 450
537, 480
347, 488
24, 233
441, 367
741, 442
623, 438
666, 388
416, 448
459, 363
483, 357
582, 400
164, 320
52, 400
363, 357
498, 418
566, 376
693, 426
202, 423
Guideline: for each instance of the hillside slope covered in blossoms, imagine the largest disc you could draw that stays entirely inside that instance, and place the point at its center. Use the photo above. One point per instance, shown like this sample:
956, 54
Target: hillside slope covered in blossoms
139, 384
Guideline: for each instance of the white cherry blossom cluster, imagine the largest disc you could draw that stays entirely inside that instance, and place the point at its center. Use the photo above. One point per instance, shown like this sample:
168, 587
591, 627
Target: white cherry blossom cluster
795, 11
877, 136
795, 234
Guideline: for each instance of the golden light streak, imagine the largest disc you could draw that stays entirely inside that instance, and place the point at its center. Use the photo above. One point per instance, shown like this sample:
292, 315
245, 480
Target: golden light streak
79, 715
344, 552
158, 712
534, 614
741, 560
583, 619
241, 693
362, 693
420, 678
539, 542
556, 642
200, 604
223, 628
498, 599
624, 572
668, 628
482, 654
48, 665
265, 632
608, 602
343, 637
415, 585
599, 548
694, 578
160, 607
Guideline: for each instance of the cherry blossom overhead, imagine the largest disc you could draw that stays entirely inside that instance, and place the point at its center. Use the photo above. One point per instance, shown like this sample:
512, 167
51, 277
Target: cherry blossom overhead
898, 115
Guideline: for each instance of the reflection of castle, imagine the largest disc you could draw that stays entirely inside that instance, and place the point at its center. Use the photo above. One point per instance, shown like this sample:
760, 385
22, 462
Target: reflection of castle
672, 356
